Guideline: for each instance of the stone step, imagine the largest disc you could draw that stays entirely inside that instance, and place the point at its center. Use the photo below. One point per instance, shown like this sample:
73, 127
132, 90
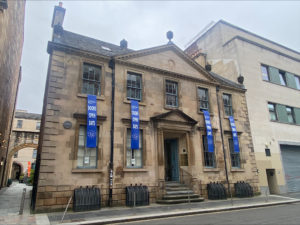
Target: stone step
179, 192
182, 188
182, 196
177, 201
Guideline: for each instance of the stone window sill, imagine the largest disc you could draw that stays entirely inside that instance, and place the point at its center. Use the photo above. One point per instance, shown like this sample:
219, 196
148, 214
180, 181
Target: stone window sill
277, 121
87, 171
211, 169
135, 170
101, 97
201, 113
237, 170
126, 101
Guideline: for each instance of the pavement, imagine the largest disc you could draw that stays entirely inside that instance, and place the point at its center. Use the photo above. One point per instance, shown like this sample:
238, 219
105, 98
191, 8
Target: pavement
10, 199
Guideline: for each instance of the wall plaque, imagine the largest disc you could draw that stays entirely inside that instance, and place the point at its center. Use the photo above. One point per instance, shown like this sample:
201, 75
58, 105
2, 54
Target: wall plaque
67, 125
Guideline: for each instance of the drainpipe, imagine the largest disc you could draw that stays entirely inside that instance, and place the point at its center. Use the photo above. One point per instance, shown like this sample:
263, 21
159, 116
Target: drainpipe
222, 137
4, 174
111, 162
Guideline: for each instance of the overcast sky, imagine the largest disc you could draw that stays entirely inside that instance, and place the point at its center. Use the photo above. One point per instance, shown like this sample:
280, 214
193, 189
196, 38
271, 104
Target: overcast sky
144, 24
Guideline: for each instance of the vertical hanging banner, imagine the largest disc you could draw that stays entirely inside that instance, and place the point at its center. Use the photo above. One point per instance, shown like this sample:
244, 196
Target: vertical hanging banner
209, 134
29, 169
234, 135
135, 124
91, 129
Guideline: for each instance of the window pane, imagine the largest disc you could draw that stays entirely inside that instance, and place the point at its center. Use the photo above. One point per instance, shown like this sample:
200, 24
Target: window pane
297, 79
290, 114
227, 104
134, 158
282, 78
134, 86
264, 71
171, 93
86, 157
91, 79
235, 156
209, 157
203, 99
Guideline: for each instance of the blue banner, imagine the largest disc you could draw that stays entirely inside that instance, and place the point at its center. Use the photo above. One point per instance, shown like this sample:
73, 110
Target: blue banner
234, 135
209, 133
91, 129
135, 124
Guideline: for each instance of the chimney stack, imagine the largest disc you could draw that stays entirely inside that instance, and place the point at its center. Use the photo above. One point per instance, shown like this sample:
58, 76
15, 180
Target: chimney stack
58, 16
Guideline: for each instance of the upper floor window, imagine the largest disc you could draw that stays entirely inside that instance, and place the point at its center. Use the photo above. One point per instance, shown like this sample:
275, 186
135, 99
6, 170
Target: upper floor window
91, 79
290, 114
34, 153
171, 93
203, 99
134, 86
235, 156
19, 123
209, 157
38, 125
265, 72
134, 157
86, 157
227, 100
297, 80
272, 111
282, 78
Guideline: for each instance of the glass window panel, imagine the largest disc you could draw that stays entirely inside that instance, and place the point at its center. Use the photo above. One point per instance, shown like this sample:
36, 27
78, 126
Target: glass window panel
203, 99
235, 156
134, 158
227, 104
209, 157
171, 93
290, 115
272, 111
134, 86
86, 157
282, 78
297, 79
265, 74
91, 80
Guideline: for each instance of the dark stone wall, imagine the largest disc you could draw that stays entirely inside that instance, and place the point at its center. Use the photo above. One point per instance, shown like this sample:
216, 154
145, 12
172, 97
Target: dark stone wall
11, 44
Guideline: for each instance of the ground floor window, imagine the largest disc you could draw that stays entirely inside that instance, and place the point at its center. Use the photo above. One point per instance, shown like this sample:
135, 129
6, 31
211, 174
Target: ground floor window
235, 156
134, 157
86, 157
209, 157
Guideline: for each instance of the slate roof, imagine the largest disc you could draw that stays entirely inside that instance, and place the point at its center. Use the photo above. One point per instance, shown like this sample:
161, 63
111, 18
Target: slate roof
78, 41
25, 115
225, 81
85, 43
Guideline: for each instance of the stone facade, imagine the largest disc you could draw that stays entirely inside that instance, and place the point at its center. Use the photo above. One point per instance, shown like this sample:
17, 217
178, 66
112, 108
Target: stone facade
11, 43
233, 51
64, 102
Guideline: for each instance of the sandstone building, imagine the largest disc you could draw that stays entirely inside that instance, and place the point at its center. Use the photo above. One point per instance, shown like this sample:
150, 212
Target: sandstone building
11, 43
23, 143
172, 91
272, 79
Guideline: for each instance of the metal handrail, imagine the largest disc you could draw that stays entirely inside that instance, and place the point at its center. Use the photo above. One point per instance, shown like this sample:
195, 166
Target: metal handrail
183, 174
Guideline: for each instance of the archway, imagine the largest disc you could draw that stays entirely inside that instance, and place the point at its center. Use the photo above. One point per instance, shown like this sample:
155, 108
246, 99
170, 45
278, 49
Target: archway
10, 158
16, 170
